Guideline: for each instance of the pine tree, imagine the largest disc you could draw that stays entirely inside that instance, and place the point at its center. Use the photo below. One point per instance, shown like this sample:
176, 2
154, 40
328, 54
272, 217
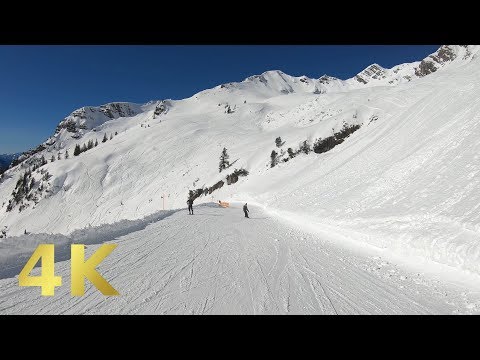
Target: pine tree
59, 157
116, 133
111, 136
290, 152
67, 155
96, 142
223, 160
77, 150
52, 159
105, 138
44, 161
278, 141
84, 148
90, 144
273, 159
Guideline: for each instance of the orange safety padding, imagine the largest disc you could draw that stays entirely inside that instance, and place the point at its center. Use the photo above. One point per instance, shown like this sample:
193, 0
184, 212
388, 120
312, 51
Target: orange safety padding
224, 204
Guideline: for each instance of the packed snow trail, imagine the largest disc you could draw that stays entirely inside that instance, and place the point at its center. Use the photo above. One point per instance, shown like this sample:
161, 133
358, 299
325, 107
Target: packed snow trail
218, 262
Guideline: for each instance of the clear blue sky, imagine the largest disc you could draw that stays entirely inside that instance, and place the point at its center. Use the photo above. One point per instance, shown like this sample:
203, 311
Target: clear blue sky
40, 85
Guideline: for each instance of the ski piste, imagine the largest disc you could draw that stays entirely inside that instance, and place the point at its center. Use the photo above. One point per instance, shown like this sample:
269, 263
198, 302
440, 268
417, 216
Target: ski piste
218, 262
396, 200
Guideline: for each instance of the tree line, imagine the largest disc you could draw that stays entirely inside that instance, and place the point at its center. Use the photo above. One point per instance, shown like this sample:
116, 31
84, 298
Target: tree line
90, 145
319, 146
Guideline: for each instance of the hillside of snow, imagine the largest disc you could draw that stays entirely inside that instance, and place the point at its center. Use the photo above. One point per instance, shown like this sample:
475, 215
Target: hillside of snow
406, 180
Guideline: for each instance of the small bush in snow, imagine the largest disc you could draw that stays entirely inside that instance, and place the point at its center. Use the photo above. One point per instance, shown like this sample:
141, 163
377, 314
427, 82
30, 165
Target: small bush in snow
278, 142
273, 159
211, 189
324, 145
291, 153
305, 147
233, 177
241, 172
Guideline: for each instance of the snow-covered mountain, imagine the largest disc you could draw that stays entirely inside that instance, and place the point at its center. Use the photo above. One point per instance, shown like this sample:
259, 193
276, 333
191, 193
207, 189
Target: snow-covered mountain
394, 163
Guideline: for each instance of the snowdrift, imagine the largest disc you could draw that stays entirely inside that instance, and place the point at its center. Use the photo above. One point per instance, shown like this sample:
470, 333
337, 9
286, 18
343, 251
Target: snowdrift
15, 251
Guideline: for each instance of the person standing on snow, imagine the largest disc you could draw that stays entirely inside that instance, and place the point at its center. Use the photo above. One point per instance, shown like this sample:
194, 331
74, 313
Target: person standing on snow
190, 206
245, 210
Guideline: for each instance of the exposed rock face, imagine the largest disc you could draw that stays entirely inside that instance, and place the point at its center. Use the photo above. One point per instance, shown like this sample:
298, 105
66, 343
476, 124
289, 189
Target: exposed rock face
374, 71
161, 108
116, 110
443, 55
87, 118
426, 67
360, 79
325, 79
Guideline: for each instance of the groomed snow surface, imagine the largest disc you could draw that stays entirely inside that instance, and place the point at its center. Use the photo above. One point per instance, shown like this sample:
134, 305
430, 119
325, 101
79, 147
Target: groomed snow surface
218, 262
405, 188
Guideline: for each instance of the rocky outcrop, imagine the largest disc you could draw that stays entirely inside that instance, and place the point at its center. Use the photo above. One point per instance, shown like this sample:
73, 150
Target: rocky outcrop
87, 118
445, 54
374, 71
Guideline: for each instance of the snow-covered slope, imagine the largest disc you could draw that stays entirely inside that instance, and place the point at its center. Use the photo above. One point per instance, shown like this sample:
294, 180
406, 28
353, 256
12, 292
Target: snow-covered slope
406, 180
217, 262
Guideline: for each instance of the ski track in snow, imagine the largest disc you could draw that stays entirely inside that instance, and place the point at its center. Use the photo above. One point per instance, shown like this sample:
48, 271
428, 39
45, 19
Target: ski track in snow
218, 262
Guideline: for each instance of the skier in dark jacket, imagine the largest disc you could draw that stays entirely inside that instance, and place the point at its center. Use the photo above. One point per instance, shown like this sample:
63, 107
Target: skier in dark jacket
245, 210
190, 206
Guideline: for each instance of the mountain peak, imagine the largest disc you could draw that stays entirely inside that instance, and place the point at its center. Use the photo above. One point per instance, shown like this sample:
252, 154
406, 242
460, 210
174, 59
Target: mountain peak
446, 54
273, 72
326, 79
88, 117
266, 75
373, 71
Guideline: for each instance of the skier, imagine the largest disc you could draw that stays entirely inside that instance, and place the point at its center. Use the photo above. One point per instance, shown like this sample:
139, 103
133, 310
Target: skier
245, 210
190, 206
